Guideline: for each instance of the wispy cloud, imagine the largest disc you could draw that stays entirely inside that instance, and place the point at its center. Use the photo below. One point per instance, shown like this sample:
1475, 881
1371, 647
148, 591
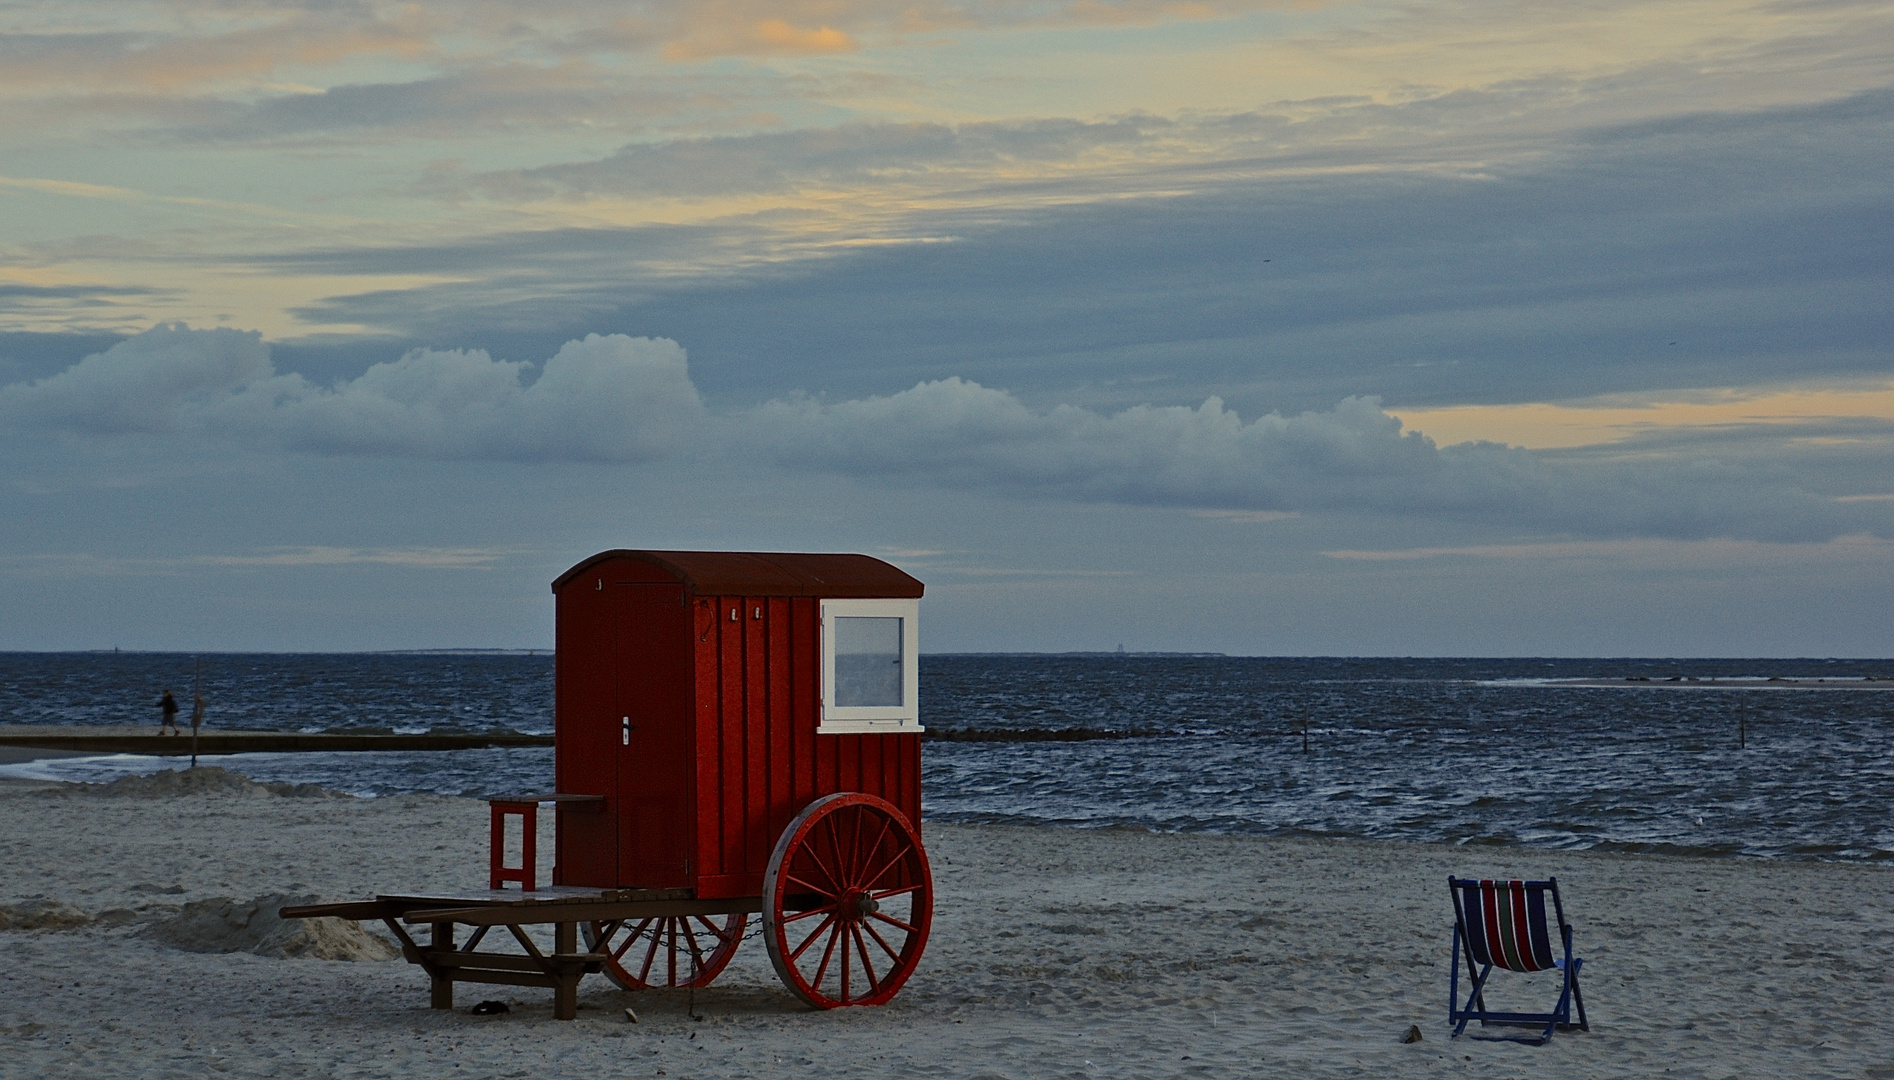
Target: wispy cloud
167, 55
1711, 550
85, 564
1749, 241
423, 557
950, 570
222, 208
1246, 517
911, 157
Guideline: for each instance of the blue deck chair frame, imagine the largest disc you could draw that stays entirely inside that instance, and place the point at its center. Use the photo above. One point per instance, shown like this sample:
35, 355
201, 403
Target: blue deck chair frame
1502, 924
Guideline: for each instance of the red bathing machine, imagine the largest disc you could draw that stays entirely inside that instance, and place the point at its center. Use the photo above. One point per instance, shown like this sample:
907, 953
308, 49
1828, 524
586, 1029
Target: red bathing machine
751, 724
735, 733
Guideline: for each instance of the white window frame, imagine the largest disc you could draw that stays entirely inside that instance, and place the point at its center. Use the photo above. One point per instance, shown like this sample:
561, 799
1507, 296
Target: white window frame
872, 719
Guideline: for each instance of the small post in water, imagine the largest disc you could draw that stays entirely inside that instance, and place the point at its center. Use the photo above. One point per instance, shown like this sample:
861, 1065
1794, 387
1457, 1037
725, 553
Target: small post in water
1305, 734
197, 705
1742, 727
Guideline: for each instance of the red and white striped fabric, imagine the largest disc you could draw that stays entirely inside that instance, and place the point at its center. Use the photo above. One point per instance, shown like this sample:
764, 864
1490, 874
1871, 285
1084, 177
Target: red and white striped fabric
1506, 923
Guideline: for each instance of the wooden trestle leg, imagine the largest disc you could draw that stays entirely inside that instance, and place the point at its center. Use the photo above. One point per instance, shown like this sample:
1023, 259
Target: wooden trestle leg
565, 993
440, 981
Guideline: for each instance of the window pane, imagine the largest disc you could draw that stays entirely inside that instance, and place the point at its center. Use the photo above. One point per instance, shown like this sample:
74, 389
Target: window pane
867, 662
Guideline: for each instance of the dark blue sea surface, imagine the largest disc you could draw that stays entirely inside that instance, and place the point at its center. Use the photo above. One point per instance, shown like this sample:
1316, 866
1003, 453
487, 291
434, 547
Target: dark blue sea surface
1490, 751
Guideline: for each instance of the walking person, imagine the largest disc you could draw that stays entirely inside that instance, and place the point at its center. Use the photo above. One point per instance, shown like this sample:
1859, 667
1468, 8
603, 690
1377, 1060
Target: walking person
168, 705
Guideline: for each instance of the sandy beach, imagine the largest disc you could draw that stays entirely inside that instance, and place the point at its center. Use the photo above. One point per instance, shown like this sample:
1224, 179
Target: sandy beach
1056, 953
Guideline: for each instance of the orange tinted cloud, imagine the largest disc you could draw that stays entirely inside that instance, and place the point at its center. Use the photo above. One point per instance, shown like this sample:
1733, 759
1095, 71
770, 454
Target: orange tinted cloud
1546, 426
706, 29
771, 37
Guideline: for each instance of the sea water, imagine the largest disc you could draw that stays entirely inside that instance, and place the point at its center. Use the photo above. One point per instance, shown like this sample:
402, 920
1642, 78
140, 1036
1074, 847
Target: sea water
1704, 757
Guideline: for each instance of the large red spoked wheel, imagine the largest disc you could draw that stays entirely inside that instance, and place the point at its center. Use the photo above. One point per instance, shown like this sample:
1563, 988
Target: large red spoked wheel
847, 901
673, 952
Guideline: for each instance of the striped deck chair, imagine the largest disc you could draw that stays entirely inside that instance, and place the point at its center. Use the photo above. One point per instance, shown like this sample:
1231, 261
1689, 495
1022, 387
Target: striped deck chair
1502, 924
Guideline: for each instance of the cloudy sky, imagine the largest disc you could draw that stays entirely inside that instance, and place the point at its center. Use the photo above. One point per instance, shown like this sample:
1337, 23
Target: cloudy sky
1362, 328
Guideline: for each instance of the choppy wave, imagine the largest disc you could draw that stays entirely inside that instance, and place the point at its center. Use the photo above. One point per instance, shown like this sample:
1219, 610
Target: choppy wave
1562, 754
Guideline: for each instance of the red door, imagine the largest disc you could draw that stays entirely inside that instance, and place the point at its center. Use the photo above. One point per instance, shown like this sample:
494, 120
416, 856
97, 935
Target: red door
653, 745
586, 761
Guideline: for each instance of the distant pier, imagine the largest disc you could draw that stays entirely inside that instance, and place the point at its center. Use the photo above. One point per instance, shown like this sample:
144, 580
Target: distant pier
143, 740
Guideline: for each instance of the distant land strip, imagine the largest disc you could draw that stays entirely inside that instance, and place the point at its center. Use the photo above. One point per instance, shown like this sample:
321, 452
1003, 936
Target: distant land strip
1720, 682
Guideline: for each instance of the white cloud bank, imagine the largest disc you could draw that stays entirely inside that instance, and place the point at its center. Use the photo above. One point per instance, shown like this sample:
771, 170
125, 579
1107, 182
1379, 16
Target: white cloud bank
1354, 457
621, 399
610, 398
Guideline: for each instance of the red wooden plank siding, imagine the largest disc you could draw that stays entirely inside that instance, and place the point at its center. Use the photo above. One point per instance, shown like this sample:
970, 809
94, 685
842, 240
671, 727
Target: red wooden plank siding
876, 772
806, 691
911, 780
709, 706
755, 774
781, 721
848, 763
886, 768
730, 735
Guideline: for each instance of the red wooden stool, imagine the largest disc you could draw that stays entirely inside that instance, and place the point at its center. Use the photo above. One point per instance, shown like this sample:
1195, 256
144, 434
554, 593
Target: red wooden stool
527, 808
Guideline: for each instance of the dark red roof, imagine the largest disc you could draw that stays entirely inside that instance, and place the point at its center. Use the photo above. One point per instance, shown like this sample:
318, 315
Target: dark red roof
770, 573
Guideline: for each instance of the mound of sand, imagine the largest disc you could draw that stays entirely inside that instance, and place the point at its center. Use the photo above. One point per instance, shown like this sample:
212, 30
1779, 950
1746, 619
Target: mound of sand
42, 915
226, 925
203, 780
36, 913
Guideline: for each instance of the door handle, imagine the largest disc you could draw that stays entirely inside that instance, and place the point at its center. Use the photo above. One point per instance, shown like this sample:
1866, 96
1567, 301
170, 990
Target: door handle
624, 732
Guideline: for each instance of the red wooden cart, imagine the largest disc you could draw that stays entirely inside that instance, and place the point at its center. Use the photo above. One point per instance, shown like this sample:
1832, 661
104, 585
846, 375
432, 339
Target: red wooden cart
735, 734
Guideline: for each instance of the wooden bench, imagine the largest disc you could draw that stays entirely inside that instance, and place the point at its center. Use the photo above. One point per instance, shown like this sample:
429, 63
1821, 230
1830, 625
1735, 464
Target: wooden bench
448, 962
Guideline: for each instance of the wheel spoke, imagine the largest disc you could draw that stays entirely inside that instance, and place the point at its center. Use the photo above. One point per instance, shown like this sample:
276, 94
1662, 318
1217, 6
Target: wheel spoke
858, 859
843, 931
630, 940
886, 824
813, 887
887, 866
697, 952
891, 921
901, 891
861, 949
842, 884
827, 952
810, 940
881, 941
809, 848
651, 955
829, 910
